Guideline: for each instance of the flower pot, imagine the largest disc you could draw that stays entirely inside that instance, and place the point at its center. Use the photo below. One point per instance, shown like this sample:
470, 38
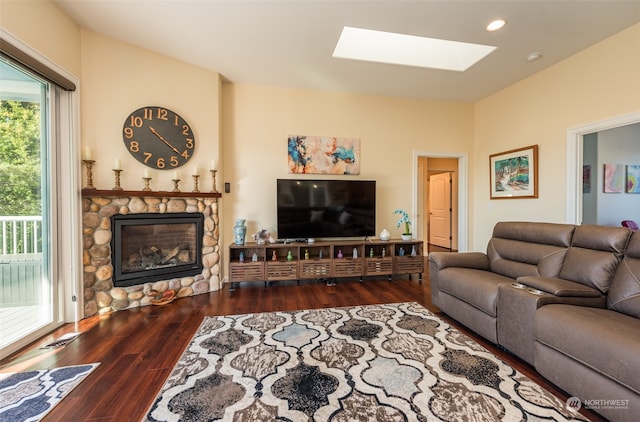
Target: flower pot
406, 237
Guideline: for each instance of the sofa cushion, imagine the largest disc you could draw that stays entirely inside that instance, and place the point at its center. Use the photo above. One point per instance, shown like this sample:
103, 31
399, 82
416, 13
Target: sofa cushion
559, 287
526, 248
624, 294
475, 287
594, 255
604, 340
532, 232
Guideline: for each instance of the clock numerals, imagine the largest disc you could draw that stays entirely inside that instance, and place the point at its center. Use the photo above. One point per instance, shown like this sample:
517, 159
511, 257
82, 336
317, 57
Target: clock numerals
136, 121
163, 114
128, 132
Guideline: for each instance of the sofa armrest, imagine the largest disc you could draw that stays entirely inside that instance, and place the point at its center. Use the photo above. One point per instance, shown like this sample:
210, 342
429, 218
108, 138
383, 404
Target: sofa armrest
559, 287
476, 260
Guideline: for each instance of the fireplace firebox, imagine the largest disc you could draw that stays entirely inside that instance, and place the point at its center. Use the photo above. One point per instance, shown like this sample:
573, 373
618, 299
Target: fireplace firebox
150, 247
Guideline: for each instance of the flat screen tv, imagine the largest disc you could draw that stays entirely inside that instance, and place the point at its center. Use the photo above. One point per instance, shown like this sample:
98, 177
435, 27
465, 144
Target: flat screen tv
325, 208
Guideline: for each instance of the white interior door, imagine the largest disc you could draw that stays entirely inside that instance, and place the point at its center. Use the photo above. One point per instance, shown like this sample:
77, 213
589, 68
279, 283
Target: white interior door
440, 210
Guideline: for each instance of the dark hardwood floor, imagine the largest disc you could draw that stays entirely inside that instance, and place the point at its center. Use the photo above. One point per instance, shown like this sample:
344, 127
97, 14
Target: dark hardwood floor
138, 348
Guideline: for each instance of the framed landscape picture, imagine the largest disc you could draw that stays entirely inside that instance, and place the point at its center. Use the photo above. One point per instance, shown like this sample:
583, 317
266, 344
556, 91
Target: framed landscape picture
514, 174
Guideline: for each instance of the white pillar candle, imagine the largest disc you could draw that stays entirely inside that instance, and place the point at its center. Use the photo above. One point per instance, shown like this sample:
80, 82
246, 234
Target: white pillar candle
116, 164
146, 173
195, 170
175, 175
87, 154
213, 164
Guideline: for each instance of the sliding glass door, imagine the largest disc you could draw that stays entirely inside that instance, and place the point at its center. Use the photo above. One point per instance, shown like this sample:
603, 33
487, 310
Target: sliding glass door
26, 181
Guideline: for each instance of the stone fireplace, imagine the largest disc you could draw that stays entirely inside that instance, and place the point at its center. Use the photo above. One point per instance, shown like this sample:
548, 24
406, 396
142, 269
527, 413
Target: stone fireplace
105, 290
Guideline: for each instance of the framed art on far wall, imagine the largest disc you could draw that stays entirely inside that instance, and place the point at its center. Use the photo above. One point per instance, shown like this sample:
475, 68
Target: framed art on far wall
633, 178
613, 179
514, 174
323, 155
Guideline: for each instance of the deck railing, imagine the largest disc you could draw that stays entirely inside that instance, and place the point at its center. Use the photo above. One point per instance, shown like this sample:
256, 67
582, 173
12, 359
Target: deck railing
20, 235
20, 261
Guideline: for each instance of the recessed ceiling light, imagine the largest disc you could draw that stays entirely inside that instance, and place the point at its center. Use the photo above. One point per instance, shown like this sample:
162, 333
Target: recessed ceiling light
533, 56
408, 50
496, 25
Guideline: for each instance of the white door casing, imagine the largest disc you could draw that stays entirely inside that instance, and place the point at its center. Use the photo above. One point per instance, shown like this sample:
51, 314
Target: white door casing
440, 209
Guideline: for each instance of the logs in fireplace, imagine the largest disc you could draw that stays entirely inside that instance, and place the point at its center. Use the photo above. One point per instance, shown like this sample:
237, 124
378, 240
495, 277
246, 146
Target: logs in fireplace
150, 247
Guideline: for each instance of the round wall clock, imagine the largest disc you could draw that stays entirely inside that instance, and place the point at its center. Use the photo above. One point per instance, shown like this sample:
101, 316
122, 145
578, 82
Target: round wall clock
158, 137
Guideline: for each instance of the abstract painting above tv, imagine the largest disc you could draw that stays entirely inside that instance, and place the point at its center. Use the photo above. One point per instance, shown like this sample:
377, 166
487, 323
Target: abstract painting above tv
323, 155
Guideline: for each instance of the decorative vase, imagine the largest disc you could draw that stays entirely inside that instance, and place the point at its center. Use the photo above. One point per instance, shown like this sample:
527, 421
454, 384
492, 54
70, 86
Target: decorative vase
385, 235
240, 231
405, 237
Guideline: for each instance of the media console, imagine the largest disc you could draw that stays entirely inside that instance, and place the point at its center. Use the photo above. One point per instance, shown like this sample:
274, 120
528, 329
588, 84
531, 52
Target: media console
324, 260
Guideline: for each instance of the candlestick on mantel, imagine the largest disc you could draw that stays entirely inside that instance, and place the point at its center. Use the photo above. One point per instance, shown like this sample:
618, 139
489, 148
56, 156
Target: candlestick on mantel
175, 181
146, 179
195, 183
117, 177
213, 181
89, 165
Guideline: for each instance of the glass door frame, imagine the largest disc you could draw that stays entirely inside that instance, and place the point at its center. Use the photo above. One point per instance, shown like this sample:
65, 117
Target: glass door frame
63, 203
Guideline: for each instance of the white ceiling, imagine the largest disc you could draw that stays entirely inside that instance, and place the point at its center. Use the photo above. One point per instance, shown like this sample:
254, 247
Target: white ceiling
289, 43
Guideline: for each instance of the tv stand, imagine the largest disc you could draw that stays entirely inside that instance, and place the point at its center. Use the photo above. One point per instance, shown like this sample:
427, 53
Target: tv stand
324, 260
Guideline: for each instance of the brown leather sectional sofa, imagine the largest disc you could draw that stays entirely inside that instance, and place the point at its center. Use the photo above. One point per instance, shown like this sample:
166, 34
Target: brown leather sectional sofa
564, 298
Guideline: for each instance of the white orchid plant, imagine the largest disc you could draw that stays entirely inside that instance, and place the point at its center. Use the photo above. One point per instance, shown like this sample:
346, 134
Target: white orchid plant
406, 220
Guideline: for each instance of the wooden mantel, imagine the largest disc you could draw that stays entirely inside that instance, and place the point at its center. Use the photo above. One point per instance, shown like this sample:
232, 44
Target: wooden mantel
148, 194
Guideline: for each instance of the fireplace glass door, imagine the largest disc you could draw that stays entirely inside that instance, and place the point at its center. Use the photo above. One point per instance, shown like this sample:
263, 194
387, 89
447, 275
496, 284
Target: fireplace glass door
151, 247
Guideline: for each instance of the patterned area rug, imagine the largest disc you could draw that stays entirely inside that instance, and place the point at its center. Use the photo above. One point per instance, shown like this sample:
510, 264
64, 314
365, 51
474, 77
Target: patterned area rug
29, 396
393, 362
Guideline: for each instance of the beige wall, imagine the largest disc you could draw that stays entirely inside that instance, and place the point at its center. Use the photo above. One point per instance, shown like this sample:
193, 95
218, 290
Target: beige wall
596, 84
118, 78
258, 119
115, 79
45, 28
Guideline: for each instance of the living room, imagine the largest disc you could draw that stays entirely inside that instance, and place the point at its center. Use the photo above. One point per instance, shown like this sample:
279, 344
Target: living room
242, 128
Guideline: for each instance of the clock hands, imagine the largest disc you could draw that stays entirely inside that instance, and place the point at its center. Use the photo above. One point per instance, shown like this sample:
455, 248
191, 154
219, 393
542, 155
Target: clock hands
164, 140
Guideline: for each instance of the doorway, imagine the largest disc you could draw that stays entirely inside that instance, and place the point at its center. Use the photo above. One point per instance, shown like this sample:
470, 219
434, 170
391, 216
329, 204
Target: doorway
448, 226
26, 256
440, 210
40, 208
575, 137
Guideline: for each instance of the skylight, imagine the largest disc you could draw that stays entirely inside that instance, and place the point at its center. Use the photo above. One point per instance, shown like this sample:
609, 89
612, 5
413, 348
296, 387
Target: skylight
408, 50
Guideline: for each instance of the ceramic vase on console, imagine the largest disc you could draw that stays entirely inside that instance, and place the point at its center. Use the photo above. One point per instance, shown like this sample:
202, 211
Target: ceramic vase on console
385, 235
239, 231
